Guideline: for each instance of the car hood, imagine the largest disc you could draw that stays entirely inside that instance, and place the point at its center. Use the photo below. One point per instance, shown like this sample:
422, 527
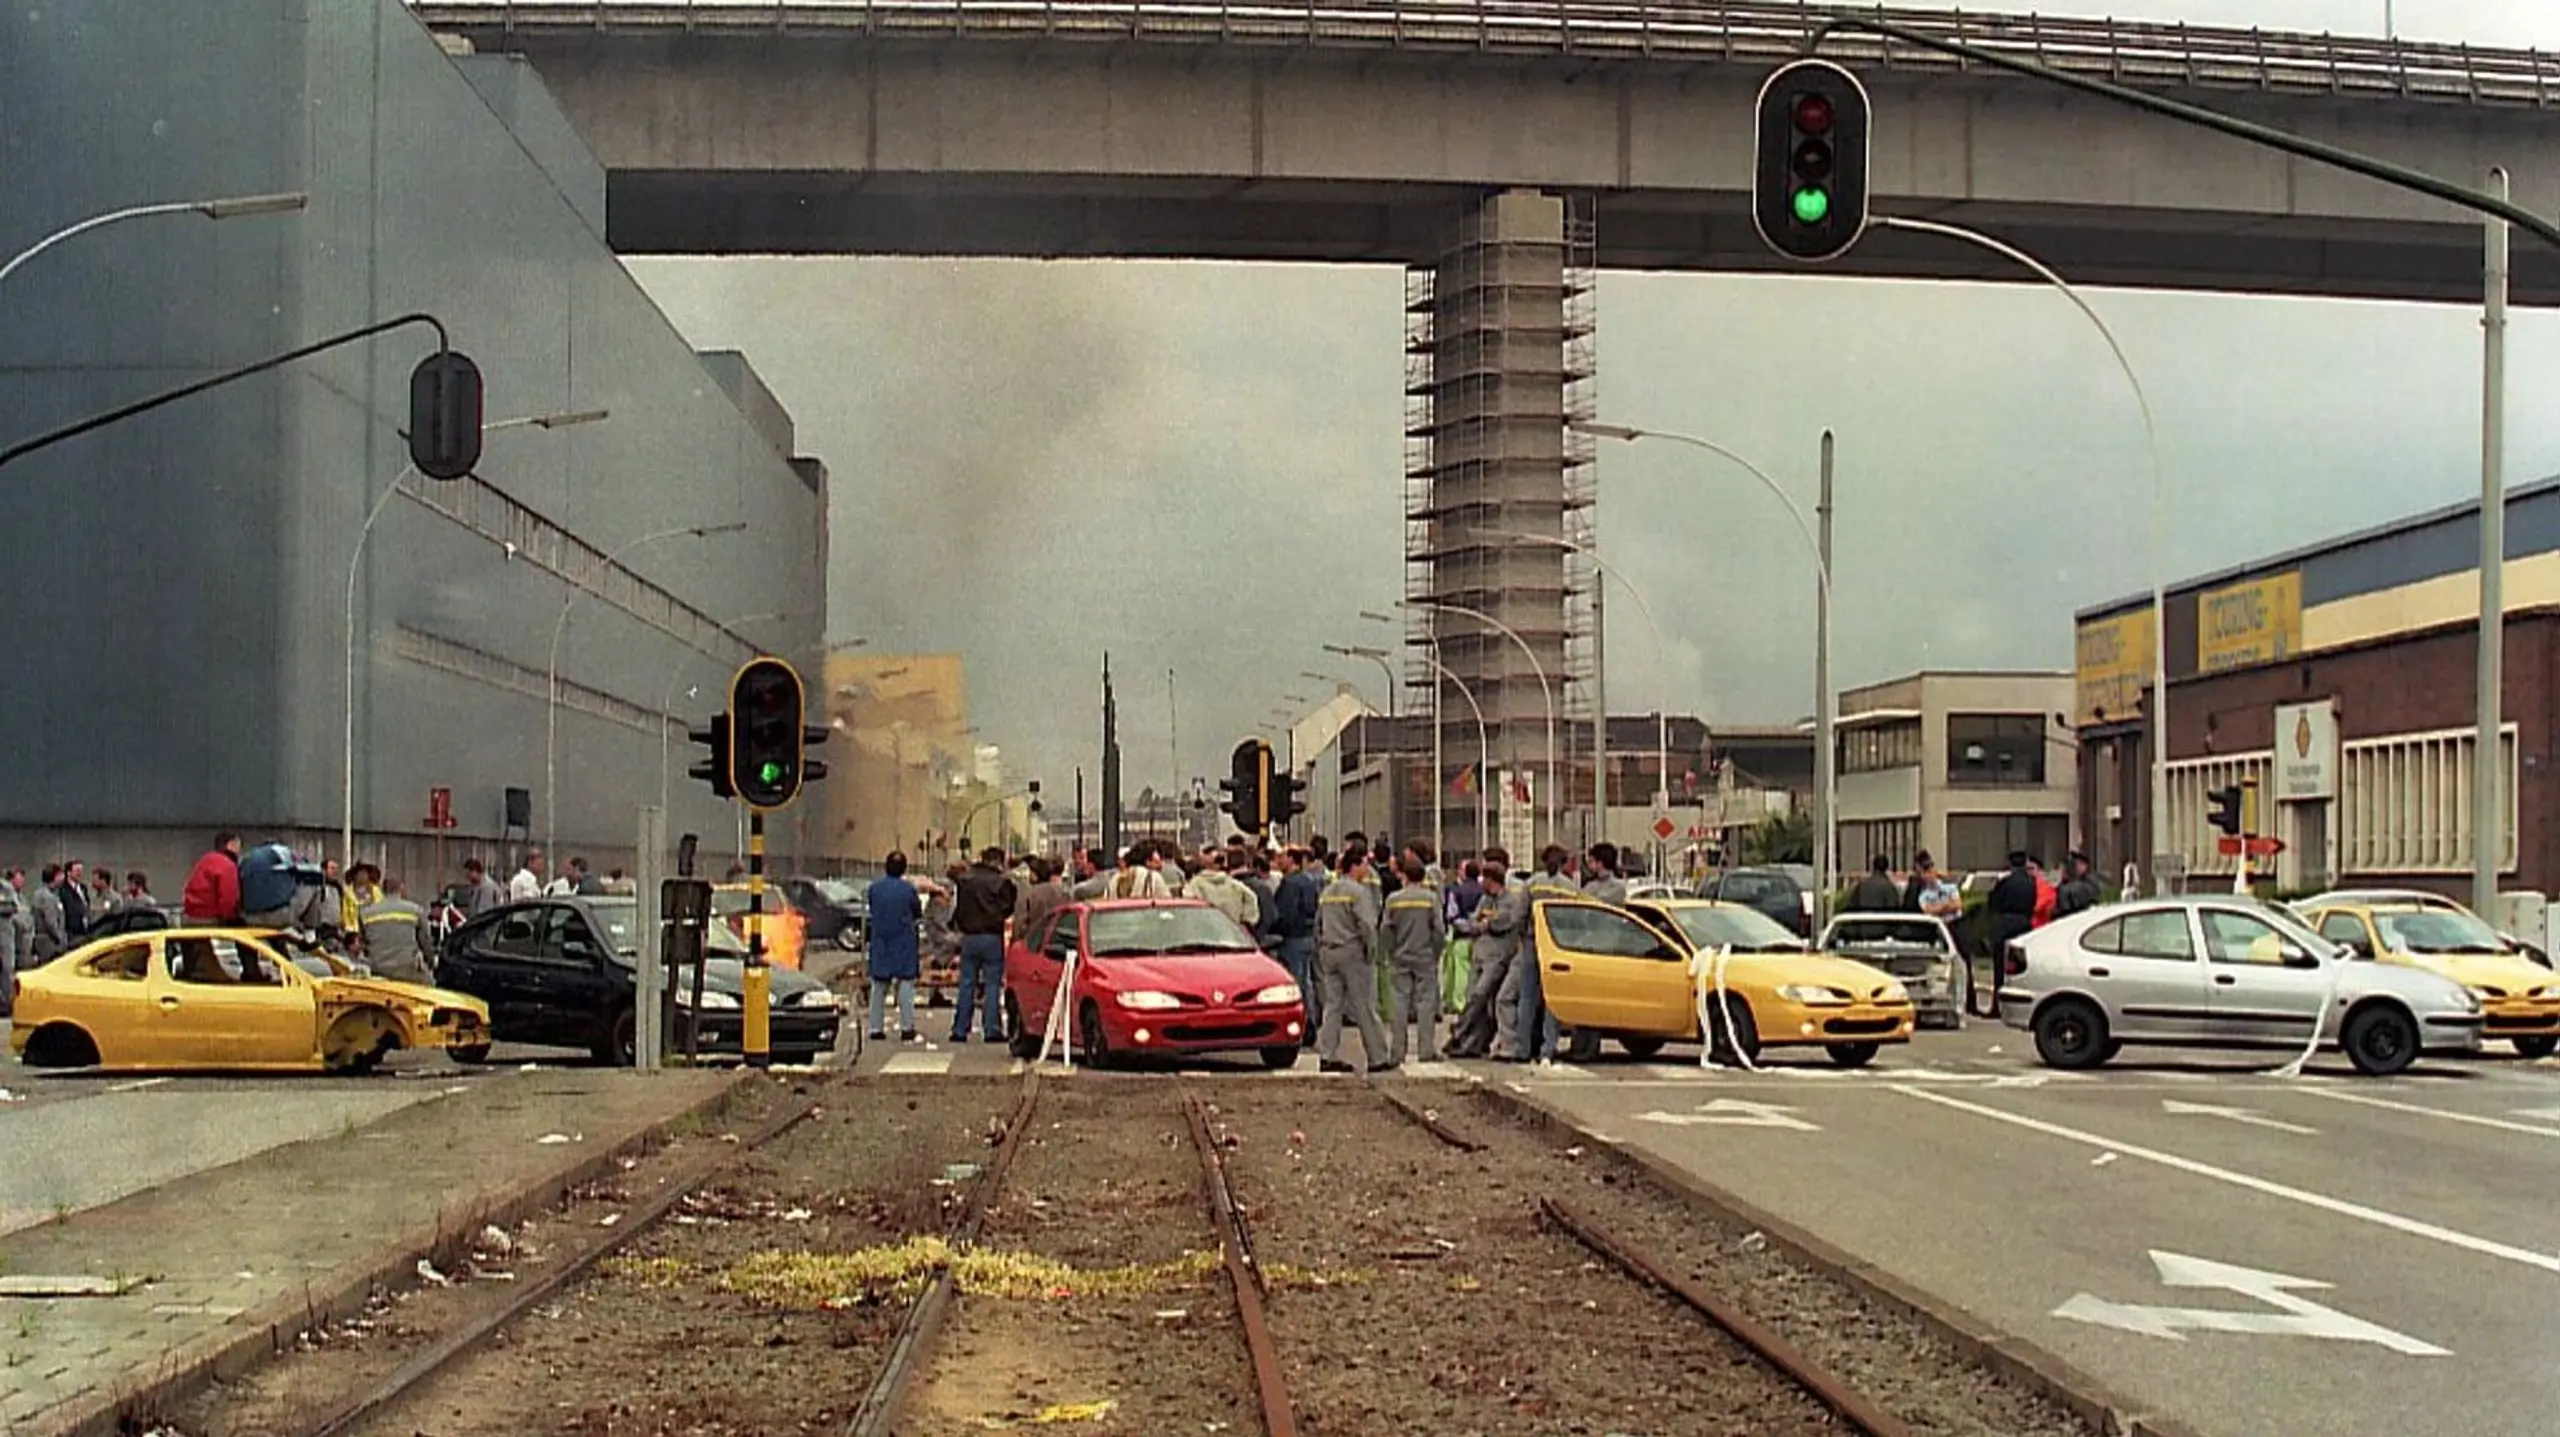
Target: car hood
729, 975
1228, 973
1819, 970
354, 989
2504, 971
2416, 985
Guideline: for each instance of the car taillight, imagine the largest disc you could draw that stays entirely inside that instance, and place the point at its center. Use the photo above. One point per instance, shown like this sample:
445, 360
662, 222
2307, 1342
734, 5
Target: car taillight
2012, 962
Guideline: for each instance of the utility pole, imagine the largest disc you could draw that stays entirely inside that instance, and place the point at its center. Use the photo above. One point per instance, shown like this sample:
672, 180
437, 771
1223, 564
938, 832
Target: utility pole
1825, 856
2488, 771
1599, 696
1111, 814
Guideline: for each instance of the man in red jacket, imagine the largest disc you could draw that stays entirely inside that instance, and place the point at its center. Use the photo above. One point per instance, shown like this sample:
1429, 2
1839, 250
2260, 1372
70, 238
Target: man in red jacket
213, 888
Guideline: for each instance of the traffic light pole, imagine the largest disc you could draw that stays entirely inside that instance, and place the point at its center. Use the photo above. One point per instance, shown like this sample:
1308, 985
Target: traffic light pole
755, 1028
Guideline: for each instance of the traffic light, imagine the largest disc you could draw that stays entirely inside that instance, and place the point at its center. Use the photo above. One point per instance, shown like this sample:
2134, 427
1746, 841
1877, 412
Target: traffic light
1809, 161
715, 769
1285, 801
1248, 787
2226, 809
767, 738
444, 415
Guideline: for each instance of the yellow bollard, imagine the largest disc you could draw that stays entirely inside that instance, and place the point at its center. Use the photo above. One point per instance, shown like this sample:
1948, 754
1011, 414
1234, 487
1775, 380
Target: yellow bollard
755, 1028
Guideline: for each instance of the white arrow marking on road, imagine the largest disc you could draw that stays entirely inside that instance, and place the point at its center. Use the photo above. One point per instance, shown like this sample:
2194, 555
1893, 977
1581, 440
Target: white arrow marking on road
1733, 1112
2237, 1115
2301, 1316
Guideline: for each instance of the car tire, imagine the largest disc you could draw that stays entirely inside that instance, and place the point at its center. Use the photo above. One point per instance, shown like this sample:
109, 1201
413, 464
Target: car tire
2380, 1041
1641, 1048
61, 1045
1020, 1041
1093, 1043
2540, 1045
620, 1045
1281, 1059
847, 940
1736, 1038
1852, 1055
470, 1055
1581, 1045
2070, 1034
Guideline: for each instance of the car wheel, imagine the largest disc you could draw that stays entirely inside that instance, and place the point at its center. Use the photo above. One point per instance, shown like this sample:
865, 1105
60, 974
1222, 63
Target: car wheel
2381, 1041
1852, 1055
1581, 1045
469, 1054
620, 1046
2541, 1045
1018, 1040
1640, 1047
1737, 1037
1282, 1058
60, 1045
1091, 1041
2071, 1033
847, 940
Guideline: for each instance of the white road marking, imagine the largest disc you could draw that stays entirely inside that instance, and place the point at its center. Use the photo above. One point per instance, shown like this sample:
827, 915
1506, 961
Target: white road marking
2301, 1316
2550, 1114
1436, 1068
1733, 1112
2487, 1247
135, 1085
2475, 1119
2237, 1115
916, 1063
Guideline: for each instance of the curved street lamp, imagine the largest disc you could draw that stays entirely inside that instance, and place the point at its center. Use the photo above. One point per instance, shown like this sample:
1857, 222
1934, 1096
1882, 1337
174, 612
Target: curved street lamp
1555, 798
1484, 759
234, 207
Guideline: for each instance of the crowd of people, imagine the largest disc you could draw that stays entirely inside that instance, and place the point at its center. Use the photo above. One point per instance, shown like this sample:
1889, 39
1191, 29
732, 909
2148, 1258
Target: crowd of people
1380, 937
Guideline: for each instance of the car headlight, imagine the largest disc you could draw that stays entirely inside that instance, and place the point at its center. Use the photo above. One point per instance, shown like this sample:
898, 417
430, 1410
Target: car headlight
1148, 998
817, 998
2479, 991
1895, 992
709, 1000
1807, 993
2470, 1001
1278, 993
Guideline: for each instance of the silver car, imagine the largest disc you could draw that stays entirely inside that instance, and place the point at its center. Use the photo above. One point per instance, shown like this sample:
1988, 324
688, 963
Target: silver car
2220, 972
1914, 947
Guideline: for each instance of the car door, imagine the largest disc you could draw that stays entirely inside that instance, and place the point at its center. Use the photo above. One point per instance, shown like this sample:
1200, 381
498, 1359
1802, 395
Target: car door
2144, 967
2266, 989
583, 984
225, 1001
504, 952
1603, 969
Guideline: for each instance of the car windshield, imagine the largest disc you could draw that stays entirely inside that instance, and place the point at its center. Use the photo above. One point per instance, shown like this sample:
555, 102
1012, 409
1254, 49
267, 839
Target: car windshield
621, 920
1148, 932
2437, 930
837, 890
1741, 929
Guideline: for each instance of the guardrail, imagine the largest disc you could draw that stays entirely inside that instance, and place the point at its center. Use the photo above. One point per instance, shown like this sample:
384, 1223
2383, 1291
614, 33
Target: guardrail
2128, 52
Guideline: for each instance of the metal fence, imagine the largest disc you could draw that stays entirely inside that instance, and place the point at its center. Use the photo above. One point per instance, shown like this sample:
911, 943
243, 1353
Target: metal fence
2130, 52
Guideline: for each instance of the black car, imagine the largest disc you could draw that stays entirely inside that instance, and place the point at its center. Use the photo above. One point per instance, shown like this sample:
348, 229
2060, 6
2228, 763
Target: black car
563, 972
834, 910
1774, 891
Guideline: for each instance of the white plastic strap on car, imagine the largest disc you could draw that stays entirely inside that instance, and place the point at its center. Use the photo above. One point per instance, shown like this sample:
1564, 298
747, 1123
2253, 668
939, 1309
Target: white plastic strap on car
2329, 1000
1720, 1011
1061, 1027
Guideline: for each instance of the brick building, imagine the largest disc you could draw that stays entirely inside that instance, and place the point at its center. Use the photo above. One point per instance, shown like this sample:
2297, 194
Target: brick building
2340, 677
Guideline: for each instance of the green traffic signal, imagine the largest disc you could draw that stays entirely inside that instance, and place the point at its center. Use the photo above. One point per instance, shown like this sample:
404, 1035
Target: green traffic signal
769, 774
1812, 206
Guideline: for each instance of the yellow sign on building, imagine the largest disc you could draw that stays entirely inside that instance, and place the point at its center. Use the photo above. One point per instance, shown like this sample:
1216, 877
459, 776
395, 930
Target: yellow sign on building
2113, 667
2257, 622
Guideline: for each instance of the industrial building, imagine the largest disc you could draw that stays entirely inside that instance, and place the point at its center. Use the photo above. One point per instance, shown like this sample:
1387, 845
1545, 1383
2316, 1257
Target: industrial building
2340, 676
1968, 766
205, 632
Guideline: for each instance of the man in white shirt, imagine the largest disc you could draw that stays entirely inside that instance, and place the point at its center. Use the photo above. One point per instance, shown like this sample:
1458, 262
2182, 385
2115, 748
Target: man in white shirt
528, 880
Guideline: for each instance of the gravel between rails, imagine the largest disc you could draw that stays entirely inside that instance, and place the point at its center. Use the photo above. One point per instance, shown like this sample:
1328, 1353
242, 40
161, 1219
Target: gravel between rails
650, 1344
1464, 1316
1107, 1177
1883, 1353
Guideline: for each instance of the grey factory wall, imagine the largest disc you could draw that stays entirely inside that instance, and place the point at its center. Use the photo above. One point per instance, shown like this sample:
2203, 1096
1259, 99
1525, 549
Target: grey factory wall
177, 636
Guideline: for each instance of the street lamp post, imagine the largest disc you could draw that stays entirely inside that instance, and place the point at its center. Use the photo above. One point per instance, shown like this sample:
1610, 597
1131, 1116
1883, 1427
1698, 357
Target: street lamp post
234, 207
559, 630
355, 562
1484, 757
1825, 704
1554, 798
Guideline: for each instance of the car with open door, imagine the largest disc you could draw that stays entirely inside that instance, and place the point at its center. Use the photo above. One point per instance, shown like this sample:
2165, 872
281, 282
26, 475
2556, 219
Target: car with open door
1172, 976
2519, 998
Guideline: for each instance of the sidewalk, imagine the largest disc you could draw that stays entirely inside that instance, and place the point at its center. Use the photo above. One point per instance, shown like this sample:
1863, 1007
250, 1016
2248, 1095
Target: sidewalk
243, 1257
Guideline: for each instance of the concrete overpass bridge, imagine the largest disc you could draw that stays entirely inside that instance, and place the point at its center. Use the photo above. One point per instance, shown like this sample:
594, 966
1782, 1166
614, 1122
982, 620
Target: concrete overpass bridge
1503, 150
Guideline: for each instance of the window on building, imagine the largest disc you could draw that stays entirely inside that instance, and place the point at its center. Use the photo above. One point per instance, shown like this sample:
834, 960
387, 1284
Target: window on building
1996, 750
1980, 842
1895, 838
2404, 803
1876, 748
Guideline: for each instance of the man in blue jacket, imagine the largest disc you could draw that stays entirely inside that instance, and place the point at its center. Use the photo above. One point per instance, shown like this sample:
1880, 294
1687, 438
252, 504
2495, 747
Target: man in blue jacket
1294, 921
896, 920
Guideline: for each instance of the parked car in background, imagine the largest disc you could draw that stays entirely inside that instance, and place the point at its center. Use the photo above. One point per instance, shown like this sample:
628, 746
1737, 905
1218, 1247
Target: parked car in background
1152, 976
2520, 999
1914, 947
2221, 971
1781, 891
785, 929
834, 910
563, 971
2420, 898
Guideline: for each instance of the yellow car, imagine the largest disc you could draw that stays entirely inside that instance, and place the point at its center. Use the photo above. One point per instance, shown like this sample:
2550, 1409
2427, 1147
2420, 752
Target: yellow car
2520, 998
225, 998
1623, 974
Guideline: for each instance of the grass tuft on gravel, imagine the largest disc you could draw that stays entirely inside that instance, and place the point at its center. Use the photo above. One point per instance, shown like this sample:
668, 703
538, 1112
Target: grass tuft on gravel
832, 1280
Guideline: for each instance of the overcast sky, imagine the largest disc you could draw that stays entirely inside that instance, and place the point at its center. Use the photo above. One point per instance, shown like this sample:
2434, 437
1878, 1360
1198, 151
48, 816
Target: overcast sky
1198, 466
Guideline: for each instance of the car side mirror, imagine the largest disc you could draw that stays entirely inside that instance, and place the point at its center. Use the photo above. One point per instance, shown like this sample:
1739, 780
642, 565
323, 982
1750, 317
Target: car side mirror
2296, 958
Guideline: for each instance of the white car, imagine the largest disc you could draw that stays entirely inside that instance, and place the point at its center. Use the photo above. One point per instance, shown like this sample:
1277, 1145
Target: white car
1914, 947
2205, 971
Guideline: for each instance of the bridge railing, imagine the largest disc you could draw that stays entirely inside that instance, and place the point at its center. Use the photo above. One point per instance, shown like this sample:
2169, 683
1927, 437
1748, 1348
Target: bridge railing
2142, 53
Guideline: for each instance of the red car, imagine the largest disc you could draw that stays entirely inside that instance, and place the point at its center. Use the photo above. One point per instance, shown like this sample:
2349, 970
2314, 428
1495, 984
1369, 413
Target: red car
1152, 976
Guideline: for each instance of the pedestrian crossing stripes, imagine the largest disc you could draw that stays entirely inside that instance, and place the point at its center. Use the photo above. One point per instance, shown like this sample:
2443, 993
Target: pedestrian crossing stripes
916, 1064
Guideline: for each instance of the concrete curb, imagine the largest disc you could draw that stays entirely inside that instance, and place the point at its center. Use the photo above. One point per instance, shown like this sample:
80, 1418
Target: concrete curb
129, 1403
2014, 1359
